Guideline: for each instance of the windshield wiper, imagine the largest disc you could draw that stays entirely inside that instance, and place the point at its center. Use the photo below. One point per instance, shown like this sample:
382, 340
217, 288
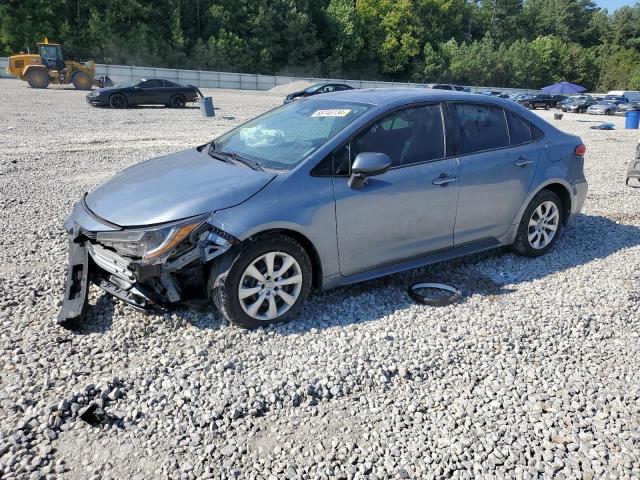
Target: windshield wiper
240, 159
232, 157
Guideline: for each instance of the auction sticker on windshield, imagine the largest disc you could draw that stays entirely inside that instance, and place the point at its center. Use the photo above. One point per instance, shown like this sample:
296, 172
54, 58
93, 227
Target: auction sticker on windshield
332, 113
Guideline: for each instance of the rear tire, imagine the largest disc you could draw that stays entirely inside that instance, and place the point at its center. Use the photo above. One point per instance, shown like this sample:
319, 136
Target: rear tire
287, 277
546, 107
117, 101
38, 78
540, 225
81, 81
177, 101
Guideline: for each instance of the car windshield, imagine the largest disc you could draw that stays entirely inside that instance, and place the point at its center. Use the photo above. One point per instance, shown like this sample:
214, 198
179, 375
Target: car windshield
284, 137
312, 88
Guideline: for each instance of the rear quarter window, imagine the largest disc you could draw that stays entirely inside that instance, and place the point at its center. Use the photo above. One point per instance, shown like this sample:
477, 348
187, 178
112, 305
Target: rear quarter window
519, 129
479, 127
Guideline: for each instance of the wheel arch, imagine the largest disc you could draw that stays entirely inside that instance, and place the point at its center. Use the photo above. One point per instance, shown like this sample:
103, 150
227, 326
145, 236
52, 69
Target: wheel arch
305, 243
30, 68
559, 187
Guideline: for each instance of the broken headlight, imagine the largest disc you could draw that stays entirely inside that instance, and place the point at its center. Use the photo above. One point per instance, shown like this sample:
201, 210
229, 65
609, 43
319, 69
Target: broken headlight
151, 245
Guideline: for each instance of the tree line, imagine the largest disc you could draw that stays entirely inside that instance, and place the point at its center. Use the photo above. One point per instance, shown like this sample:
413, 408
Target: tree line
508, 43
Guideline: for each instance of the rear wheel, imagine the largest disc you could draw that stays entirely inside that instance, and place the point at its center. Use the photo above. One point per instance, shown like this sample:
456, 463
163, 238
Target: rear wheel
81, 81
38, 78
178, 101
540, 225
117, 101
267, 283
546, 107
607, 112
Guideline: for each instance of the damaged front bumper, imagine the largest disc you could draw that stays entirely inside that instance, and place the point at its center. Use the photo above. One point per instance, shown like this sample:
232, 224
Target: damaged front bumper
177, 277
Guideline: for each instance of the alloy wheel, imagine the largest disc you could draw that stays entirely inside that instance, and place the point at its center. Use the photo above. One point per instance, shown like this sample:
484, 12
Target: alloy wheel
543, 225
270, 286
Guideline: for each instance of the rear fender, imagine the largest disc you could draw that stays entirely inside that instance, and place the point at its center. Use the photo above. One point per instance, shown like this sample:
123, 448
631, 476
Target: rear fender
510, 236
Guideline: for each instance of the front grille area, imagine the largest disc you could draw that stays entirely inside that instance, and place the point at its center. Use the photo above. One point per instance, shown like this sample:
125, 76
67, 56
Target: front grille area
89, 235
111, 262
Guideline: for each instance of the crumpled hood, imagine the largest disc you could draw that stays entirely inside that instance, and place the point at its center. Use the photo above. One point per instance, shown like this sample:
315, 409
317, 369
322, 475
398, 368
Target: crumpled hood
173, 187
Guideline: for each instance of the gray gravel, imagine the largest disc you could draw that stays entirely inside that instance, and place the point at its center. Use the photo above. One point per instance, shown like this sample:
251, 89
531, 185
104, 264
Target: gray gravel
534, 375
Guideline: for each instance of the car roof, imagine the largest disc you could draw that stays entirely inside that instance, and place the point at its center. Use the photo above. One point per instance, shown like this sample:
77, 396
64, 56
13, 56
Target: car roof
382, 96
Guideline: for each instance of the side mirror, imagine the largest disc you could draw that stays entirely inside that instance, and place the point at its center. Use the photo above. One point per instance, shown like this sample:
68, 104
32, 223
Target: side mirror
368, 164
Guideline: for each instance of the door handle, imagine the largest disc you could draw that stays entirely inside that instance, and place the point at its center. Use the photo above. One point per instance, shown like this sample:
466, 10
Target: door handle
444, 179
523, 161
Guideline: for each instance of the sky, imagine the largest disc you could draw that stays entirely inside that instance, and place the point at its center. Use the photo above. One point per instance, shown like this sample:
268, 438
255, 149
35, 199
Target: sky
611, 5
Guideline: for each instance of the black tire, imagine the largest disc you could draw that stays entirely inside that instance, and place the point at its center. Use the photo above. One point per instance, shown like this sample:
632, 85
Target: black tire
178, 101
117, 101
607, 112
223, 287
522, 246
546, 107
38, 78
81, 81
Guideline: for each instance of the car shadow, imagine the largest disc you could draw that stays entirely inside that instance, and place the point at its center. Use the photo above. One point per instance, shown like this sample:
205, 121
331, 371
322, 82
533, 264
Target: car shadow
98, 318
489, 274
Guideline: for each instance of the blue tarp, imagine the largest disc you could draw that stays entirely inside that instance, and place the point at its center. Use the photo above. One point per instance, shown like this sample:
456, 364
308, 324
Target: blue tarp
563, 88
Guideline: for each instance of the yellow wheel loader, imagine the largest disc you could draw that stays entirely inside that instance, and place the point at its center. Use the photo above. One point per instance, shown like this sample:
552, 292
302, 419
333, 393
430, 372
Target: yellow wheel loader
49, 66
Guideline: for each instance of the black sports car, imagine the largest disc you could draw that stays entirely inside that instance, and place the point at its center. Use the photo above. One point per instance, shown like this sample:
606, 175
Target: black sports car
316, 89
144, 92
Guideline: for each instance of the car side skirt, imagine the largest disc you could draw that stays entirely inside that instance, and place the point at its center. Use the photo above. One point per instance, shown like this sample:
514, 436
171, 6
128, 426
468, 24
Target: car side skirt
441, 256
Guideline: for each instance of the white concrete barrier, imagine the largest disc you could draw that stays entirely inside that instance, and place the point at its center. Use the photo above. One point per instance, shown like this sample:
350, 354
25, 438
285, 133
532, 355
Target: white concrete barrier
240, 81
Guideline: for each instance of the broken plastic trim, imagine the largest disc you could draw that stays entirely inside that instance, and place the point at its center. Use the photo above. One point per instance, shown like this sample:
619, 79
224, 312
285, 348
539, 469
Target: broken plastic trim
434, 302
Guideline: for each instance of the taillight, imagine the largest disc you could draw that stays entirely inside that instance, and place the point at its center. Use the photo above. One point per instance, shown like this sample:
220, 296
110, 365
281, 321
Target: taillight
580, 150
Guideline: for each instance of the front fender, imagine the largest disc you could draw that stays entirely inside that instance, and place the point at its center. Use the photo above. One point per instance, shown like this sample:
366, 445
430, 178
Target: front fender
298, 203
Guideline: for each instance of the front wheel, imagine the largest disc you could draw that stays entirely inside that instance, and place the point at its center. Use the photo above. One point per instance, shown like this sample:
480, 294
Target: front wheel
540, 225
117, 101
267, 283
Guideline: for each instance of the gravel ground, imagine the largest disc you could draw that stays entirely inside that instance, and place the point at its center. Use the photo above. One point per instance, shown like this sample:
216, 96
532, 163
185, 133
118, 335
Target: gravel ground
533, 375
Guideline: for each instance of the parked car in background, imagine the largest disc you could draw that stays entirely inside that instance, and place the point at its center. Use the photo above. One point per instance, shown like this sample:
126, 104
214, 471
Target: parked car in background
573, 98
615, 99
631, 95
559, 98
317, 89
519, 96
603, 107
577, 104
491, 93
541, 100
154, 91
623, 108
445, 86
327, 191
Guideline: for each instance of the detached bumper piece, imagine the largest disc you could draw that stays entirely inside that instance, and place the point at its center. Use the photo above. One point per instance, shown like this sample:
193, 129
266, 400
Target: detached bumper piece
75, 295
127, 296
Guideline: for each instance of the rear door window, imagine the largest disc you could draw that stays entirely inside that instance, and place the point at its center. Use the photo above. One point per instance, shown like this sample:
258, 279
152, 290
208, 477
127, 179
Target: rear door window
519, 129
479, 127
